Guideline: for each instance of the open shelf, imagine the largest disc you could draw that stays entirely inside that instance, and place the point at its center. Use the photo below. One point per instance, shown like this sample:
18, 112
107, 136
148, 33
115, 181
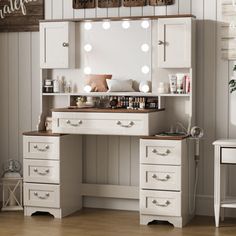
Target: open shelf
135, 94
95, 94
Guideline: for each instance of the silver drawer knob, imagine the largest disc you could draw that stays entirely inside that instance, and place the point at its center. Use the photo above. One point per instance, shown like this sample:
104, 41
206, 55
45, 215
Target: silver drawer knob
35, 194
65, 45
160, 42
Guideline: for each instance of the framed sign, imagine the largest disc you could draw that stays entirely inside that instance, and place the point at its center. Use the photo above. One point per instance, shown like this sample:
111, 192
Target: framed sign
20, 15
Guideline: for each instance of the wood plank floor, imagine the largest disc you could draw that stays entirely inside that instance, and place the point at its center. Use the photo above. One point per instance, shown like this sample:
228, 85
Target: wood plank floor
91, 222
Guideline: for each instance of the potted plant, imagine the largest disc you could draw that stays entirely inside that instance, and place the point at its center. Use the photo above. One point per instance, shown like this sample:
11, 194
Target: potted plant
232, 82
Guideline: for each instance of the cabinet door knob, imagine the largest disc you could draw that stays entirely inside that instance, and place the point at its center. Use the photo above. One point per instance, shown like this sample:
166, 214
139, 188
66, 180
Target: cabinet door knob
160, 42
65, 45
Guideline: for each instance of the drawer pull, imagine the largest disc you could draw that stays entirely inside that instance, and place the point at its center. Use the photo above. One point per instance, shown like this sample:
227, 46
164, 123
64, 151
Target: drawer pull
65, 45
42, 197
42, 149
160, 42
74, 125
154, 176
166, 204
131, 123
41, 173
163, 154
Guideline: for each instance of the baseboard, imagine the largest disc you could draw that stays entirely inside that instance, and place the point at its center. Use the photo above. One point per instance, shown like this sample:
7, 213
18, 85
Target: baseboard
205, 206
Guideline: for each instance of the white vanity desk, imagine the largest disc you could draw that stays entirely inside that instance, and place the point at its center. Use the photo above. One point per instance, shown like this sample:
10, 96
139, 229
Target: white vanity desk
162, 169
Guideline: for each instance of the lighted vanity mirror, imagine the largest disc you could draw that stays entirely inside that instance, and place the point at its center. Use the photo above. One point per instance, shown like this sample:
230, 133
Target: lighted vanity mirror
121, 48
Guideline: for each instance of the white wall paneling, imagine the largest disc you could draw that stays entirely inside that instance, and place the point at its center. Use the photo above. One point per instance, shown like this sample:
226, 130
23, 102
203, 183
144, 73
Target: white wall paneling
19, 93
19, 90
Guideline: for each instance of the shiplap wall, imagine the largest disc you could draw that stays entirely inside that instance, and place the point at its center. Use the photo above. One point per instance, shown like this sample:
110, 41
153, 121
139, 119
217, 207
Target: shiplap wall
111, 156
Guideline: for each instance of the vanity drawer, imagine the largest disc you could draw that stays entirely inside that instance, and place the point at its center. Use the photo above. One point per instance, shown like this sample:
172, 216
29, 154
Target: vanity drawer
41, 195
162, 152
101, 123
163, 203
160, 177
41, 147
228, 155
41, 171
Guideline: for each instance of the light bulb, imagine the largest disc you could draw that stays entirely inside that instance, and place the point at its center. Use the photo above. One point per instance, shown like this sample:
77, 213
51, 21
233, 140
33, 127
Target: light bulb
106, 25
87, 26
88, 47
87, 88
144, 86
87, 70
145, 47
145, 69
145, 24
125, 24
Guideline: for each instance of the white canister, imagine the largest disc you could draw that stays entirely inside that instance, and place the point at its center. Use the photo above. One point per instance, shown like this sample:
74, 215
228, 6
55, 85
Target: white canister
56, 85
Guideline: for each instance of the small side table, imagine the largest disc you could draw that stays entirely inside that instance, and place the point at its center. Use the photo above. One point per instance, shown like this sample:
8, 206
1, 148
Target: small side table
12, 191
225, 154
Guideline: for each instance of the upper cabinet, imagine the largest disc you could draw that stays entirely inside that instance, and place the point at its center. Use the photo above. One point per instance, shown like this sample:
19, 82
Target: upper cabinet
175, 42
57, 45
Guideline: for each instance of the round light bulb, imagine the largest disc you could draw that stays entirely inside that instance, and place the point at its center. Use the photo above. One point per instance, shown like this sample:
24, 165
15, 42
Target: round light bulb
87, 70
145, 47
87, 26
106, 25
125, 24
88, 47
145, 24
145, 88
87, 88
145, 69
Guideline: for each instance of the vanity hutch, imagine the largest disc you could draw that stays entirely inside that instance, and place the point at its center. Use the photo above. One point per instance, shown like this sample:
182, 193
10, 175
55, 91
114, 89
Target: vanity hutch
57, 178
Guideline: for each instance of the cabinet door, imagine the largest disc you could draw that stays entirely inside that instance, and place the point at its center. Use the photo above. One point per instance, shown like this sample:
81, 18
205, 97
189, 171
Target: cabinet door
57, 44
174, 40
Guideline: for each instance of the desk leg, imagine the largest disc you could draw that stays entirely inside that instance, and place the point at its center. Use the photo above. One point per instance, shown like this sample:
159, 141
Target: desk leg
223, 185
217, 185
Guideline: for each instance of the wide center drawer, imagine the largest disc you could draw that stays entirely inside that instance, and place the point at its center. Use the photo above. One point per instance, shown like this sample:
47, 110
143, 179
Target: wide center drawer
160, 177
41, 147
42, 195
104, 123
41, 171
163, 203
162, 152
